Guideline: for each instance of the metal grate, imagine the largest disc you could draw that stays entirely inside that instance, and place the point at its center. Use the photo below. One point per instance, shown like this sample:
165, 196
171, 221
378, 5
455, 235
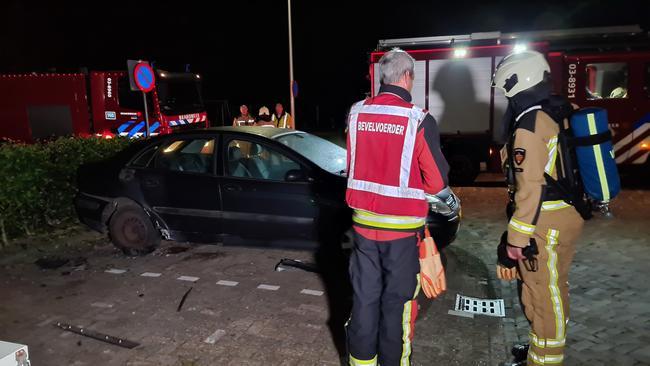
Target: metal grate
480, 306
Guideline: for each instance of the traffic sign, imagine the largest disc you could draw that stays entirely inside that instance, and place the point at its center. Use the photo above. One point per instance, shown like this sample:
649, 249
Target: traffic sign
144, 78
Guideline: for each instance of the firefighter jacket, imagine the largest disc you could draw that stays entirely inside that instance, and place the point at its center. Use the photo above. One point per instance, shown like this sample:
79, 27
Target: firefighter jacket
533, 153
284, 121
394, 157
247, 120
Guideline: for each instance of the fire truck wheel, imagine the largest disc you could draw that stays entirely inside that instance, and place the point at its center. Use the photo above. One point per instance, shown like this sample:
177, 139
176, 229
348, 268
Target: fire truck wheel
463, 169
132, 231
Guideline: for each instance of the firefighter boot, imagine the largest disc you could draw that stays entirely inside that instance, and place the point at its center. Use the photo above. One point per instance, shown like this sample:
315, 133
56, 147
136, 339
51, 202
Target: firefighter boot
520, 352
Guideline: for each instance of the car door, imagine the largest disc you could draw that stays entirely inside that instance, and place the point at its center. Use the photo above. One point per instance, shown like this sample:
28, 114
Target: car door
179, 184
266, 191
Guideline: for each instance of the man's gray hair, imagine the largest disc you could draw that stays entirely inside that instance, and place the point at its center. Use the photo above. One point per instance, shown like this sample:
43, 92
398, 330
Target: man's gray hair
394, 64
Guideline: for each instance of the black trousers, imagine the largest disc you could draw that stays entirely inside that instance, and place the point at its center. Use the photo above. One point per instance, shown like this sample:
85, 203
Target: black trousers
385, 280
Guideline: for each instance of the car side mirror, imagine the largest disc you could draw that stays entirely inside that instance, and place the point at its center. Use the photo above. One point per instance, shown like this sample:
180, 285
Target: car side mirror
295, 175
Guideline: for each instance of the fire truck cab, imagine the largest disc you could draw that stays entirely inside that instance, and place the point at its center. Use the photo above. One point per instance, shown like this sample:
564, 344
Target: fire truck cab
600, 67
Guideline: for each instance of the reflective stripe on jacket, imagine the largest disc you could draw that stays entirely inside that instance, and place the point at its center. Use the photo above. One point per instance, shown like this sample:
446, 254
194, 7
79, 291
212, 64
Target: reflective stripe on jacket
391, 163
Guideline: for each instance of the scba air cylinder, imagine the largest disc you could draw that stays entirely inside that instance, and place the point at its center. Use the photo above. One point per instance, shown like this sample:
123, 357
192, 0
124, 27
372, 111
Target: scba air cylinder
595, 154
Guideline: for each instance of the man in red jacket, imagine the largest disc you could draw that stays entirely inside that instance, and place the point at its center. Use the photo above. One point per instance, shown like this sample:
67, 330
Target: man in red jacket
394, 163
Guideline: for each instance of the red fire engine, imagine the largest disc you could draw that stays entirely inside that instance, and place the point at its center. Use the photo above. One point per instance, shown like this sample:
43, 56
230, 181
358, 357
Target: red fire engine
601, 67
39, 106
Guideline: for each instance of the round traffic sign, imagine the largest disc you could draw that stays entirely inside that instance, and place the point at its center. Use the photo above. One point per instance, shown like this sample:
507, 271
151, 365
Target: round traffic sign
144, 77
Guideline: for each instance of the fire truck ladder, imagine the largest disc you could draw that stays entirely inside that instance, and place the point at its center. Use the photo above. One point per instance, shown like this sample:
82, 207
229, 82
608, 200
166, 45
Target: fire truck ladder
498, 37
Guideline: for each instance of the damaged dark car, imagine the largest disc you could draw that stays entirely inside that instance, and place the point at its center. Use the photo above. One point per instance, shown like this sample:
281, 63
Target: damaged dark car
254, 185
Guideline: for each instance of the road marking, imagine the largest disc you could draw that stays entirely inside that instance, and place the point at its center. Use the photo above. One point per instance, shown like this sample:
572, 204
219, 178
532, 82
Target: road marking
227, 283
115, 271
312, 292
103, 305
188, 278
268, 287
214, 337
151, 274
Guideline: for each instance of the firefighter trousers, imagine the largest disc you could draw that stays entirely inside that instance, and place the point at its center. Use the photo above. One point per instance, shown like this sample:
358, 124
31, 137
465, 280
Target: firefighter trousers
545, 292
385, 282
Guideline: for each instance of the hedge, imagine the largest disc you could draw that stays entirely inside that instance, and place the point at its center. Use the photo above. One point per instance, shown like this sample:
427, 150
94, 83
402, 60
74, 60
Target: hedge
38, 182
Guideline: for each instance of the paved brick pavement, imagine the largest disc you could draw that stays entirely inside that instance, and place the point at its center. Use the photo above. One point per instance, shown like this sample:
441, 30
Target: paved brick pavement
610, 290
229, 320
239, 312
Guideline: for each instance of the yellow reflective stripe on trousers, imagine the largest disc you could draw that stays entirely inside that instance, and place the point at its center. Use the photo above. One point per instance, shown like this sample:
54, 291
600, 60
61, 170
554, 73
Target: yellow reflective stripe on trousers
556, 298
406, 334
417, 287
591, 119
554, 205
387, 222
545, 360
544, 343
552, 155
357, 362
522, 227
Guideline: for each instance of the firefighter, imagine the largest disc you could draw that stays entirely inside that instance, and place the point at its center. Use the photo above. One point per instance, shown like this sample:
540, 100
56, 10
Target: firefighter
264, 118
244, 118
282, 119
394, 162
541, 220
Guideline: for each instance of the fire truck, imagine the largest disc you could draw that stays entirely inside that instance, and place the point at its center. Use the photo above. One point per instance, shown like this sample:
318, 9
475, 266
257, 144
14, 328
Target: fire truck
606, 67
39, 106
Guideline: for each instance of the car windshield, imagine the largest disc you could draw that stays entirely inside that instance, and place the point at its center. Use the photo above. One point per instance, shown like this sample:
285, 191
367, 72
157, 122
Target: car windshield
323, 153
180, 94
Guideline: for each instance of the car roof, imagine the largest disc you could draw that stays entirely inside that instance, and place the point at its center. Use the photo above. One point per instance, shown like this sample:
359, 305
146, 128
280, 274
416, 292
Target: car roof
268, 132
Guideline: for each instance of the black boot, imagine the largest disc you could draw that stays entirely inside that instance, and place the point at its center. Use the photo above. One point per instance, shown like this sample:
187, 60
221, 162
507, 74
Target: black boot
520, 351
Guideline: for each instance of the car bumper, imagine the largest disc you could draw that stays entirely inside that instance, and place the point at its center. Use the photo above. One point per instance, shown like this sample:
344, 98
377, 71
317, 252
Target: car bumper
91, 210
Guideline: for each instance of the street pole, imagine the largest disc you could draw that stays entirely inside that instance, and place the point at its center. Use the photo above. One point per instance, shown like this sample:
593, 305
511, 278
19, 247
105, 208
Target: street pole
293, 103
146, 115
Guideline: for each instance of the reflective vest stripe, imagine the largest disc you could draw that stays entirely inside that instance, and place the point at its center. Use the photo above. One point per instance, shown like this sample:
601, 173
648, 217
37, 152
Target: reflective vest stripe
414, 116
386, 190
284, 121
388, 222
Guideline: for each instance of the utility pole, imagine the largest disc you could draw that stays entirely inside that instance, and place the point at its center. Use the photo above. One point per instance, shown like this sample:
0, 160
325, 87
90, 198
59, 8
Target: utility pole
291, 81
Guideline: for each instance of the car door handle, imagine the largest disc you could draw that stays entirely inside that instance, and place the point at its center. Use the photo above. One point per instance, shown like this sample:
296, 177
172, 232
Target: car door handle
232, 188
151, 183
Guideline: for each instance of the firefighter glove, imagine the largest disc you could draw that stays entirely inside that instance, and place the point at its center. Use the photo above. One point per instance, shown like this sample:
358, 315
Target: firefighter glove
503, 258
432, 272
506, 274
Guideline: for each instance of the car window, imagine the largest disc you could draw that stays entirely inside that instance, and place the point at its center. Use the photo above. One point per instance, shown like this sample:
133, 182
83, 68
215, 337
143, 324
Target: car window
606, 80
145, 157
247, 159
187, 155
323, 153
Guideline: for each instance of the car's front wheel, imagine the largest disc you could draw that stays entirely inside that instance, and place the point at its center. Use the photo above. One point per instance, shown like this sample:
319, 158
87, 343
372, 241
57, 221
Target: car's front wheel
132, 231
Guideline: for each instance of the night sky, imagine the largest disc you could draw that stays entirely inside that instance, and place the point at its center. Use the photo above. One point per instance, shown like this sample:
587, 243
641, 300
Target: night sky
240, 48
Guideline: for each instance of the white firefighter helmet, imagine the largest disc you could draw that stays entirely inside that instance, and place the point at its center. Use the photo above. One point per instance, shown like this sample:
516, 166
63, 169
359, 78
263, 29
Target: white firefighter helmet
520, 71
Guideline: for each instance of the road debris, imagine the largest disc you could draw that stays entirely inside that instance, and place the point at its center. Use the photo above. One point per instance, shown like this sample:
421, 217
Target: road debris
180, 304
97, 335
478, 306
287, 264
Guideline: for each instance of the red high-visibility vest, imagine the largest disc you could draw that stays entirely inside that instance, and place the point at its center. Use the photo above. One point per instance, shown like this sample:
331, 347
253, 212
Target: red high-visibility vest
384, 177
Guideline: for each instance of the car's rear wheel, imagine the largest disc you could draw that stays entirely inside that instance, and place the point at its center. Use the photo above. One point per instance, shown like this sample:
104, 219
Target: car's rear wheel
132, 231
